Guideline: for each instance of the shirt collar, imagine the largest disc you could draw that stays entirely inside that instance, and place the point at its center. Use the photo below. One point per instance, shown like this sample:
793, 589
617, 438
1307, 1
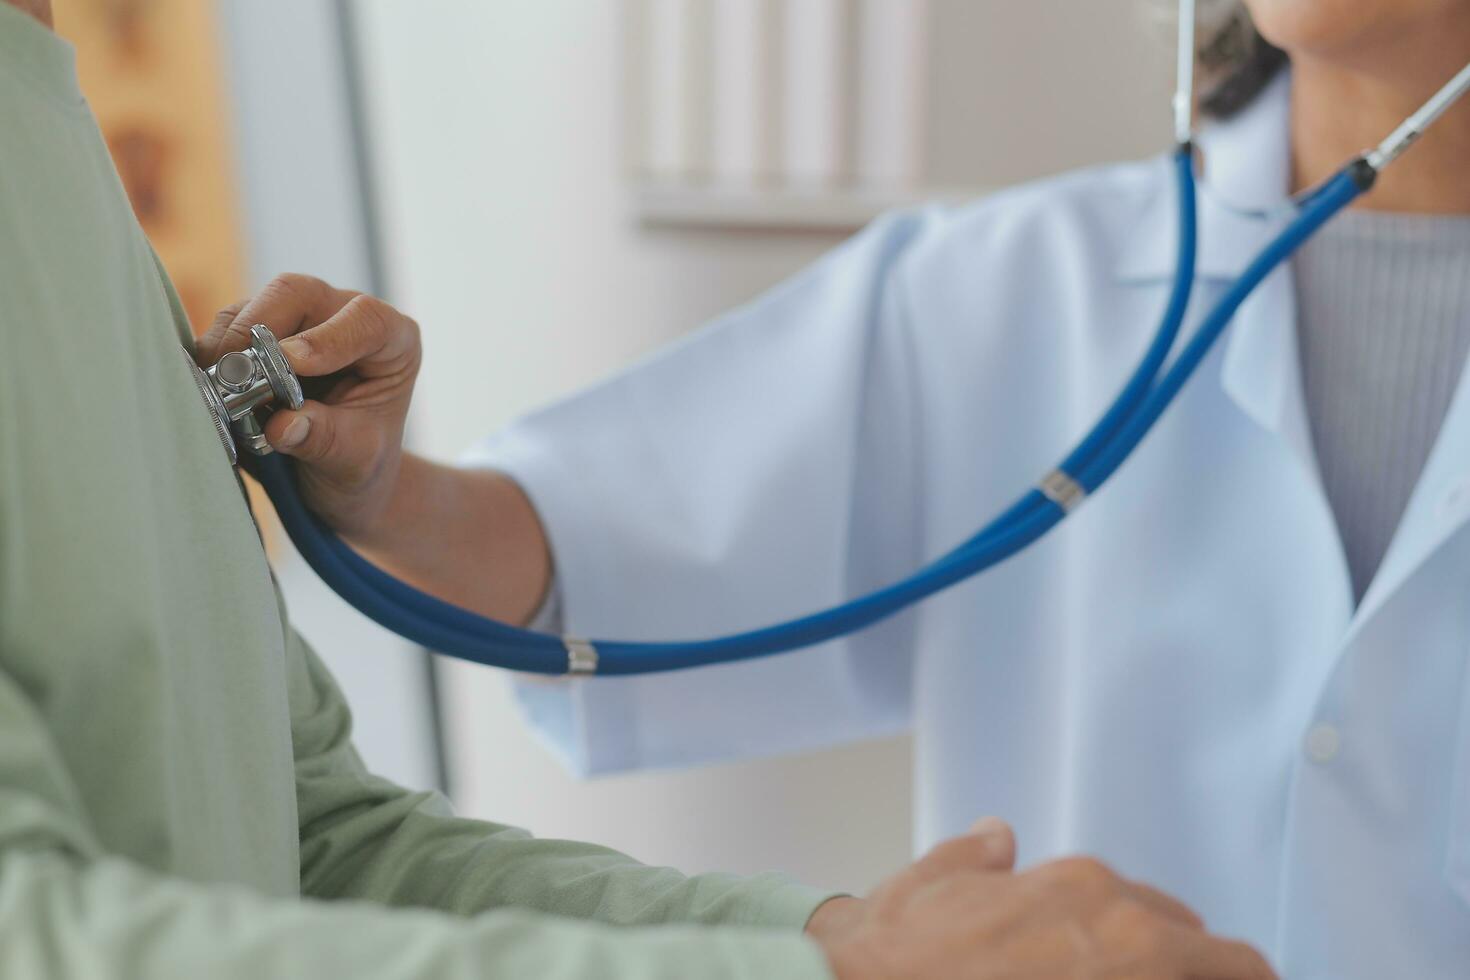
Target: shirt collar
1243, 196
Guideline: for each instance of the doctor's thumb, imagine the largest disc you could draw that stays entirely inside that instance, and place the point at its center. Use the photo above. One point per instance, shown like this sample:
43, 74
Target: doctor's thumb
307, 434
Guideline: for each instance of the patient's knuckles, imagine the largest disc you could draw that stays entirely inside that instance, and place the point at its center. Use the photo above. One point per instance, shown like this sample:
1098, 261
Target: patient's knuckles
1127, 928
956, 890
1082, 876
952, 855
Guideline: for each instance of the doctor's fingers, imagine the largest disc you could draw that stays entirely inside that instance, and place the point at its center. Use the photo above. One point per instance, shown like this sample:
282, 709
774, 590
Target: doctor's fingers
367, 335
208, 345
287, 305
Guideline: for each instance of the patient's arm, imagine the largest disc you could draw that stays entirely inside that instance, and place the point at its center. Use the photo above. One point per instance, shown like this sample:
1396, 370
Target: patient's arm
70, 910
364, 838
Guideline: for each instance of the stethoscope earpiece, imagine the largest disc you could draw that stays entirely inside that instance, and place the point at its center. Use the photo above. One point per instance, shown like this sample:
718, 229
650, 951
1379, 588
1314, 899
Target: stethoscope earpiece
242, 382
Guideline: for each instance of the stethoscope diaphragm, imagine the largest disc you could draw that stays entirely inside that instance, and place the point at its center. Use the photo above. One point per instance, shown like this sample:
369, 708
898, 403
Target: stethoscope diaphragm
241, 383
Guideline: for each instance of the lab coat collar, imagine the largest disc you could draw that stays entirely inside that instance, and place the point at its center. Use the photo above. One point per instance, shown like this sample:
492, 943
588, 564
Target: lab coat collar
1244, 201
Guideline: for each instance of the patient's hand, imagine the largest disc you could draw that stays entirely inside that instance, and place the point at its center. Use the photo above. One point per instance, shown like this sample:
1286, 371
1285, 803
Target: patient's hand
358, 357
960, 912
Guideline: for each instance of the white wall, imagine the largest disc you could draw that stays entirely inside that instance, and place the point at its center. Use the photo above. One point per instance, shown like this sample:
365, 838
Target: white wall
496, 140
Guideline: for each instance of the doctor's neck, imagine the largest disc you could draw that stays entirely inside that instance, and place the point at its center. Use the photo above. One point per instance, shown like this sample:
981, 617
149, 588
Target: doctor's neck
1341, 107
39, 9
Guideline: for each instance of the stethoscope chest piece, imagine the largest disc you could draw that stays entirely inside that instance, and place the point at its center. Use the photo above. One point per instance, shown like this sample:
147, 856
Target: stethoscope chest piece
243, 382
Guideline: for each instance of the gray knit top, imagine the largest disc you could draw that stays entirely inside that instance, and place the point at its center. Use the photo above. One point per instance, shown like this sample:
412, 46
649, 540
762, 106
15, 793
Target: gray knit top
1384, 331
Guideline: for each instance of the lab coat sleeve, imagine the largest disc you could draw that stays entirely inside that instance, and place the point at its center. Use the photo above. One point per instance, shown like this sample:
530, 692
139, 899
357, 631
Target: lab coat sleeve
364, 838
763, 468
69, 910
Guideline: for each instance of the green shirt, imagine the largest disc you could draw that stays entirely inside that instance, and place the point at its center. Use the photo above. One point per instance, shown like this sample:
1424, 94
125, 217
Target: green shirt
179, 795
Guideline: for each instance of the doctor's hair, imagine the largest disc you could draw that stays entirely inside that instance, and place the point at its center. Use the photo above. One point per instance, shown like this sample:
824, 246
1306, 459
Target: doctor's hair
1235, 62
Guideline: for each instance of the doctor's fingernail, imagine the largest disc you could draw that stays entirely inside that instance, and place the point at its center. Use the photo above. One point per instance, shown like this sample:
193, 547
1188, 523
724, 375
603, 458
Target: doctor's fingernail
296, 347
295, 433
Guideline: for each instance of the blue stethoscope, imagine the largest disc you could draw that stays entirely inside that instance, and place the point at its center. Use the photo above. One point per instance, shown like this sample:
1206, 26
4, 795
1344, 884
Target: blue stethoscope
245, 381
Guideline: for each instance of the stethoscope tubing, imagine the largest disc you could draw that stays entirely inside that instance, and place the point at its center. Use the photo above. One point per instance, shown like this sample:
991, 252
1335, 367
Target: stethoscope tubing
457, 632
443, 628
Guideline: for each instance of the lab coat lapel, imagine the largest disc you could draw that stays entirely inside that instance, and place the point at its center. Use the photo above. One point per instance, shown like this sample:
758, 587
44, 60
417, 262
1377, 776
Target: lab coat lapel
1262, 368
1243, 203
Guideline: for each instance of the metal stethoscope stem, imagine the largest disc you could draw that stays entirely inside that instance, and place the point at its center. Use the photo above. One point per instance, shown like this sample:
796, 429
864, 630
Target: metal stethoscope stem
242, 384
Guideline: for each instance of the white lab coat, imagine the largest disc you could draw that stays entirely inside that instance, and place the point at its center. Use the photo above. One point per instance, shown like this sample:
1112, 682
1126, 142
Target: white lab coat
1176, 680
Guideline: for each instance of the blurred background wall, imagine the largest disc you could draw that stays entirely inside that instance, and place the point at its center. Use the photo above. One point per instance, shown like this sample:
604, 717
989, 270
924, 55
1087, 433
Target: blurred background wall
506, 173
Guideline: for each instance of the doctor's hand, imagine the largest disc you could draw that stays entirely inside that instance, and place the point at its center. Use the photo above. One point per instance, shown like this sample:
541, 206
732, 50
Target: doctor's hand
357, 358
960, 912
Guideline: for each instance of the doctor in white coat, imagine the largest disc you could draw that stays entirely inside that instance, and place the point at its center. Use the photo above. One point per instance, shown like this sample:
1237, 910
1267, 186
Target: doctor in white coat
1240, 673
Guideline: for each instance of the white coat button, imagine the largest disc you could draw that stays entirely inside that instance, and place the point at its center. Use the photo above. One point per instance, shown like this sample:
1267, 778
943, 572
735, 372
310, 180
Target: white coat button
1323, 743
